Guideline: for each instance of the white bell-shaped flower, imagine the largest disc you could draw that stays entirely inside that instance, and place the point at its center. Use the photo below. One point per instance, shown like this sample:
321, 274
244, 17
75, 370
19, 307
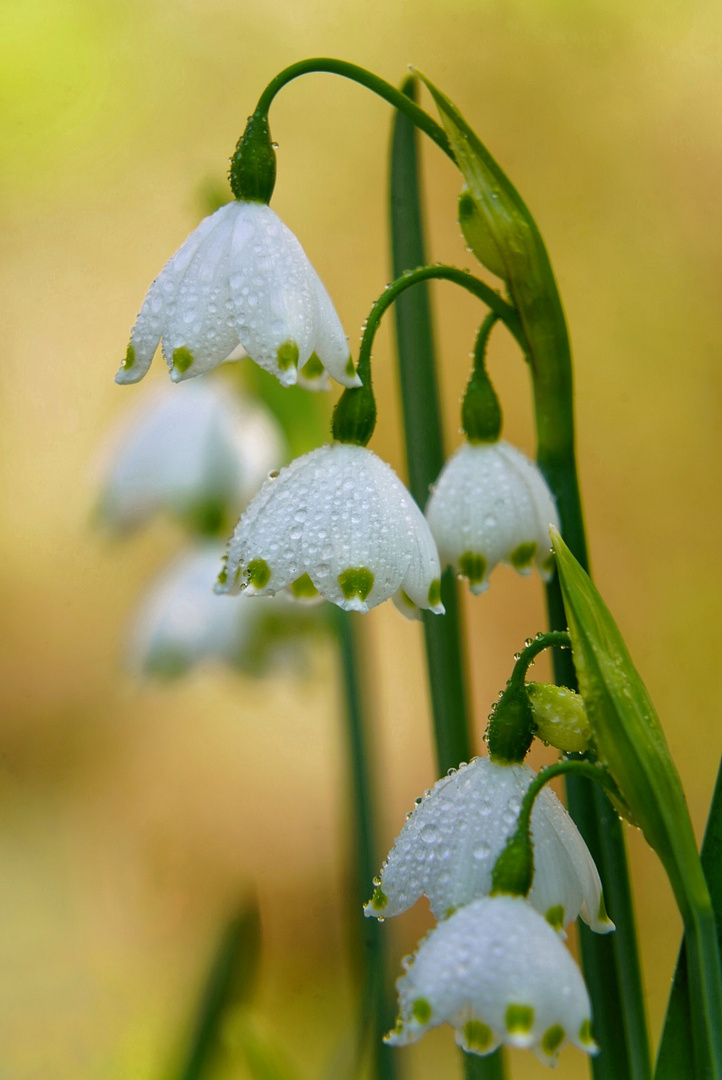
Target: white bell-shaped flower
451, 840
491, 504
197, 450
337, 520
240, 279
497, 972
182, 623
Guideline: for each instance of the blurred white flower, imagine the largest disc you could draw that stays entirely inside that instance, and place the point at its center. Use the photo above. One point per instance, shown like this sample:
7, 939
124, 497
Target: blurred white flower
451, 840
491, 504
182, 622
497, 972
197, 450
340, 521
240, 278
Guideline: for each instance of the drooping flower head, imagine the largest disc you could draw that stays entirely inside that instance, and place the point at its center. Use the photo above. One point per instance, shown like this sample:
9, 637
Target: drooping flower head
182, 623
240, 279
338, 521
491, 504
194, 450
451, 840
496, 971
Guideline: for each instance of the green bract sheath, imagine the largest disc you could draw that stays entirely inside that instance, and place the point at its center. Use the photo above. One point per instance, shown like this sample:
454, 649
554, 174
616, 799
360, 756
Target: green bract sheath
626, 728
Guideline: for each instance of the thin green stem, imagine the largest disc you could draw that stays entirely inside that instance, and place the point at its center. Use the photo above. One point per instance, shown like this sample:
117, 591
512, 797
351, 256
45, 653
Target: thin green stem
354, 417
408, 278
376, 1008
360, 75
552, 639
425, 457
568, 765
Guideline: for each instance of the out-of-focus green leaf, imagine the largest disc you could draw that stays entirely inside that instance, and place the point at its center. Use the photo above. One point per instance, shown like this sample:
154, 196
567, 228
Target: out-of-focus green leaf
230, 983
263, 1056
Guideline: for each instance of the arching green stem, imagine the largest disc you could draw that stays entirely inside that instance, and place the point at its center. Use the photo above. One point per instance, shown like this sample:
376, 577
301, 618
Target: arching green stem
354, 417
360, 75
513, 871
552, 639
597, 773
474, 285
511, 726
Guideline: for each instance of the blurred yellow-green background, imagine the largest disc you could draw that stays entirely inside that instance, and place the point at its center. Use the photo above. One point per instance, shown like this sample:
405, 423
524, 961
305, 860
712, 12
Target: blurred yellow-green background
133, 818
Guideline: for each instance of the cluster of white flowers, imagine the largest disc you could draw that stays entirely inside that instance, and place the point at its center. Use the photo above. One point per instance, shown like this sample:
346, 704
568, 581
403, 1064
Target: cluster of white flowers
494, 967
337, 521
339, 524
199, 453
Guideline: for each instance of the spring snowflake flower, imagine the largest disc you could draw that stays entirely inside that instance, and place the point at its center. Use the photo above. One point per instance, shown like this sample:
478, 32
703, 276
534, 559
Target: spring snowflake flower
182, 623
497, 972
451, 840
240, 279
196, 450
338, 521
491, 504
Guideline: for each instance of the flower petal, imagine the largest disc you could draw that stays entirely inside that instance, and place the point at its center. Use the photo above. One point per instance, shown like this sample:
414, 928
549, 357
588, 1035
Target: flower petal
342, 517
498, 973
491, 504
159, 305
451, 840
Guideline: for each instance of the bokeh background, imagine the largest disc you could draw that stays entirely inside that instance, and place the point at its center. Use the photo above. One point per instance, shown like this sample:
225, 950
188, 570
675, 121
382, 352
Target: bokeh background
133, 818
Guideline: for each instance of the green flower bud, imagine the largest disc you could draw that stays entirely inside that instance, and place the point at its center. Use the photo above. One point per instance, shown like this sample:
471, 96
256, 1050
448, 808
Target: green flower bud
560, 717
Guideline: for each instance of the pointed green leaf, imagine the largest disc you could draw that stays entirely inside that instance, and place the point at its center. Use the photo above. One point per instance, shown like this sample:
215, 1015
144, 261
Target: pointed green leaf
630, 741
229, 983
504, 236
626, 729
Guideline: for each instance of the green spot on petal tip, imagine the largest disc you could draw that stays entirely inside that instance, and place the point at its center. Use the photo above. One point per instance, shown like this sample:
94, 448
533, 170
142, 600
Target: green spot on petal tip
129, 360
258, 573
521, 557
552, 1039
585, 1034
182, 359
287, 355
435, 593
555, 917
303, 588
472, 566
350, 369
379, 900
313, 368
356, 582
421, 1010
478, 1036
519, 1019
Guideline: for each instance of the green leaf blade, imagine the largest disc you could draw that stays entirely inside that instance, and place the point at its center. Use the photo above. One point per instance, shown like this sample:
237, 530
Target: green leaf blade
627, 731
